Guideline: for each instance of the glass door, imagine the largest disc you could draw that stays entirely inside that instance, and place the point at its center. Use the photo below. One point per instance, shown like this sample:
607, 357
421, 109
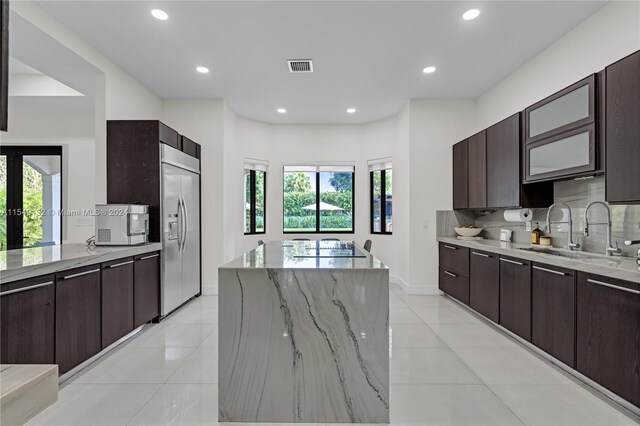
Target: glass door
31, 196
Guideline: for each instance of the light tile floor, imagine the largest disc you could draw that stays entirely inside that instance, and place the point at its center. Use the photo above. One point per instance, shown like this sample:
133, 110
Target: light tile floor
448, 367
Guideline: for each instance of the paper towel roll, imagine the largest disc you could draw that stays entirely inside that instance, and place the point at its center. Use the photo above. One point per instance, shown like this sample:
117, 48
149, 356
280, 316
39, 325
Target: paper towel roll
518, 215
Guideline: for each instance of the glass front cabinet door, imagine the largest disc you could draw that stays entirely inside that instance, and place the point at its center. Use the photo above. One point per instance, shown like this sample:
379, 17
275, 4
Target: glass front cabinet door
560, 133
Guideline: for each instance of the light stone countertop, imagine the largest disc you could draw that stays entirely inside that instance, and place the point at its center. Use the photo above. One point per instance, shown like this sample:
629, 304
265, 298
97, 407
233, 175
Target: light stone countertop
26, 391
31, 262
623, 268
307, 255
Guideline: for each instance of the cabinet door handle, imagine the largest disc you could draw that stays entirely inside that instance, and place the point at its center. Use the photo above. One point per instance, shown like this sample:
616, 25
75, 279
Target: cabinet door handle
451, 274
116, 265
149, 257
80, 274
480, 254
617, 287
451, 247
502, 259
31, 287
551, 271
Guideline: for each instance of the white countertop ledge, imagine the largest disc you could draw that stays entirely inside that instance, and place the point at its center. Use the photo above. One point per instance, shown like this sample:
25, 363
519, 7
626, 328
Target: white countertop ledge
622, 268
31, 262
288, 255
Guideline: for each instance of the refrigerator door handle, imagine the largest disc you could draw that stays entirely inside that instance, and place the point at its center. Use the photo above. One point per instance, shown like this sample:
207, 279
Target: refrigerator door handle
186, 223
180, 220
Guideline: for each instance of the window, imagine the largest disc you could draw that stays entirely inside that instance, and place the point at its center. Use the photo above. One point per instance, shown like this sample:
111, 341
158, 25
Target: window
255, 184
318, 199
381, 196
30, 196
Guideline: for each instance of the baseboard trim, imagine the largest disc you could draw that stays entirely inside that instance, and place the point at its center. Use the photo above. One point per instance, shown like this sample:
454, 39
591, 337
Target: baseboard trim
417, 290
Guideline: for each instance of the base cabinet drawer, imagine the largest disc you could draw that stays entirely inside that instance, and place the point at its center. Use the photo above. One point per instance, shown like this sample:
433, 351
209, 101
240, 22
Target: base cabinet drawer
27, 321
117, 300
608, 334
146, 288
454, 285
454, 258
553, 312
484, 283
78, 333
515, 296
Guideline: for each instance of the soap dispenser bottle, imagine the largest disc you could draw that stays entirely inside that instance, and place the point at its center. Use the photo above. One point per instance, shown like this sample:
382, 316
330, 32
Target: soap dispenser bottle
536, 234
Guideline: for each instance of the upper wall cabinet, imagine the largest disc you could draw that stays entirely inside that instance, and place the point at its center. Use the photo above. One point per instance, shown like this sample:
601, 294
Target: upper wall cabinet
561, 139
4, 63
486, 170
460, 175
569, 108
477, 160
623, 130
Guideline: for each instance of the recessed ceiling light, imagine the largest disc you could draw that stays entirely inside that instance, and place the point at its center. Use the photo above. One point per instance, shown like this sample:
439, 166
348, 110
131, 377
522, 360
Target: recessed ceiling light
429, 70
351, 110
160, 14
202, 70
470, 14
281, 110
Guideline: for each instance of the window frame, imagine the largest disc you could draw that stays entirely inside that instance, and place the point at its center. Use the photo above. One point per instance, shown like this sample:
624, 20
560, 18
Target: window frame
317, 189
252, 202
383, 203
15, 201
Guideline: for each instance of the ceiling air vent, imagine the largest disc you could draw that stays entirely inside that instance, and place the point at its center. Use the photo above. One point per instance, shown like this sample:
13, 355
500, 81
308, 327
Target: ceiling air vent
300, 65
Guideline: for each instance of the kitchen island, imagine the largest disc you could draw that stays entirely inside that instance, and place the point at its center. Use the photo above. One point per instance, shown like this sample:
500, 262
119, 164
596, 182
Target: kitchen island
304, 335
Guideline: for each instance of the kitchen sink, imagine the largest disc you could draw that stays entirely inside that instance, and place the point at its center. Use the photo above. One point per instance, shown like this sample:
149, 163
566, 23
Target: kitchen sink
564, 253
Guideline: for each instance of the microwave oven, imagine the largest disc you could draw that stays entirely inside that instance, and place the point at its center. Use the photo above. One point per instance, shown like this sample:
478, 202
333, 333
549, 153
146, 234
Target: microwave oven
121, 224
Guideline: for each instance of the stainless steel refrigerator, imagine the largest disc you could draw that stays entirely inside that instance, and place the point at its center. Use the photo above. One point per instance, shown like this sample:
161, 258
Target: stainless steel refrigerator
180, 213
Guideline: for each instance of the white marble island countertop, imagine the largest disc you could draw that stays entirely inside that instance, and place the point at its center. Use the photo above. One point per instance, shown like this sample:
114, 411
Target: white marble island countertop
623, 268
307, 255
303, 332
31, 262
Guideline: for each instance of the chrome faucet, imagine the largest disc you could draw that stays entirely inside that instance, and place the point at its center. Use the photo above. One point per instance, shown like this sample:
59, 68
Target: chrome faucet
610, 250
633, 243
570, 242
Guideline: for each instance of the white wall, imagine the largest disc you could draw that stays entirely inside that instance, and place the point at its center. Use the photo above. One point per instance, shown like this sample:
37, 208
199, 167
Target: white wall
202, 121
435, 127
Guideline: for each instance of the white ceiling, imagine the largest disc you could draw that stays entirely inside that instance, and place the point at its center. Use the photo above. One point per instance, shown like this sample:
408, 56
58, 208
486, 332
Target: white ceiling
367, 55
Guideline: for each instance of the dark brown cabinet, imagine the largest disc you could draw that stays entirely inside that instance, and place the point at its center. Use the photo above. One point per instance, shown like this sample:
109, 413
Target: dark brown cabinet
515, 296
503, 163
623, 130
493, 177
460, 175
477, 164
608, 334
133, 164
4, 64
553, 311
78, 330
168, 136
146, 289
484, 283
117, 300
454, 271
27, 310
190, 147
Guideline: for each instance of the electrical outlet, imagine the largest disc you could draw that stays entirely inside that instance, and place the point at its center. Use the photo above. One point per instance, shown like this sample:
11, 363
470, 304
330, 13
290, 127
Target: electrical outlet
425, 223
529, 227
